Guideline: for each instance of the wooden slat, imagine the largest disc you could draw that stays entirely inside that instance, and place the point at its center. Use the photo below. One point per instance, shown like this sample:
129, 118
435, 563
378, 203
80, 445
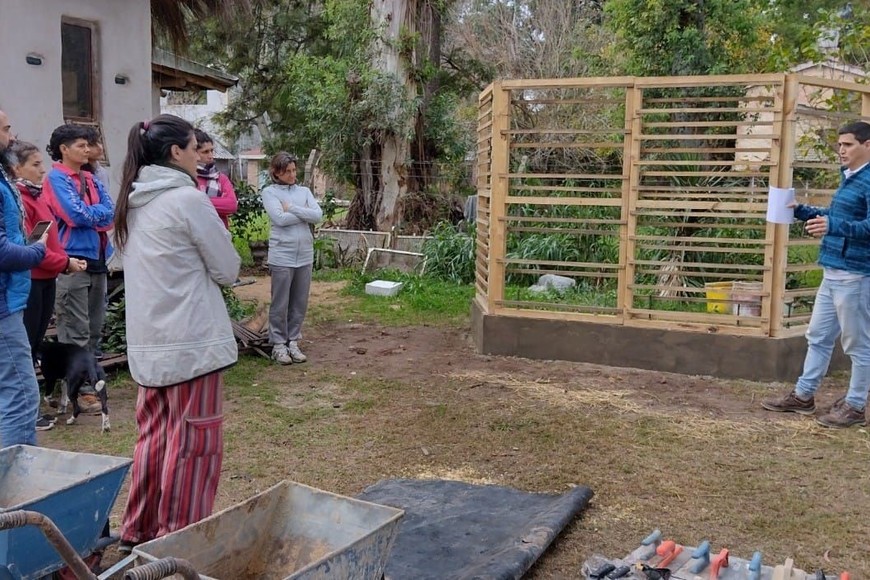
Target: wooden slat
706, 110
568, 273
700, 239
565, 132
738, 81
526, 304
831, 84
613, 176
567, 83
565, 145
694, 265
567, 201
698, 317
521, 261
538, 219
705, 137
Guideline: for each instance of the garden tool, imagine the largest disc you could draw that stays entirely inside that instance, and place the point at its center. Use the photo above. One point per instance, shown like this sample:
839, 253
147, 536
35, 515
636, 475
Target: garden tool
602, 571
755, 567
619, 572
654, 573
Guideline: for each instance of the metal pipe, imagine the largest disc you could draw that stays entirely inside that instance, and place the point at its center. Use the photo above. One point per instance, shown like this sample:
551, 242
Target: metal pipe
163, 568
21, 518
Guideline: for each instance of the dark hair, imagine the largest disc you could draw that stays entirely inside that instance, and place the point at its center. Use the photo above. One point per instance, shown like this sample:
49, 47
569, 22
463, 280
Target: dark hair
280, 162
65, 135
20, 151
201, 138
93, 135
149, 143
859, 129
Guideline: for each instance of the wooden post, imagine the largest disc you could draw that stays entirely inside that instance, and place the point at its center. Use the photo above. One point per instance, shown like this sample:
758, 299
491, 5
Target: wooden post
498, 206
631, 178
865, 105
776, 255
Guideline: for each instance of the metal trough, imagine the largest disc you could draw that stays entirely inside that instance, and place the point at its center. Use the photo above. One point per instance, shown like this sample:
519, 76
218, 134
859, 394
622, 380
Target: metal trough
288, 532
75, 490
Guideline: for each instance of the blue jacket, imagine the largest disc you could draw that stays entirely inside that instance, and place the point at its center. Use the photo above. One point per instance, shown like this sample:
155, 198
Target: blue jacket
16, 258
84, 212
846, 246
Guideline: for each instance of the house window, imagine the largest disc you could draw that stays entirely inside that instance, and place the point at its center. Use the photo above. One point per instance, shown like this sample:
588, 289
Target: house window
79, 70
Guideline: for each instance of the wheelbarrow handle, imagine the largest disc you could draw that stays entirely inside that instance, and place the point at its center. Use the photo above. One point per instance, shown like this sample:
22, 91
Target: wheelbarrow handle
163, 568
21, 518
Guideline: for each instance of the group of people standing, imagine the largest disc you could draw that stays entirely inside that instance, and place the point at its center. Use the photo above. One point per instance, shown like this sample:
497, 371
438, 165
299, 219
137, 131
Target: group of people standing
170, 229
67, 265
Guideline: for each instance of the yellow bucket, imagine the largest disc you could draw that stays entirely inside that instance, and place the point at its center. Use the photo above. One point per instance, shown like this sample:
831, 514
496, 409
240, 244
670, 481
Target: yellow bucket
719, 297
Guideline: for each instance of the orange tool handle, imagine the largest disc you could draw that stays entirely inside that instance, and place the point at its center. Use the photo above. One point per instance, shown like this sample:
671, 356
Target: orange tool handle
845, 576
667, 550
720, 561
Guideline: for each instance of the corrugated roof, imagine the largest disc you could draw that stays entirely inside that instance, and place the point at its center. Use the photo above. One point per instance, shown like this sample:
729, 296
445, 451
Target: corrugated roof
171, 71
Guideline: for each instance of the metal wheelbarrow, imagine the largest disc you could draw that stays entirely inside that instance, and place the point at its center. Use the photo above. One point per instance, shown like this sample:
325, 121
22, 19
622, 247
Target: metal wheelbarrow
48, 498
288, 532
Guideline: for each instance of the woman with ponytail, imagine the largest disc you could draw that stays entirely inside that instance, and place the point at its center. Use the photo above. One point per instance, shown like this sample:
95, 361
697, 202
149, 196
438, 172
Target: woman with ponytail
176, 255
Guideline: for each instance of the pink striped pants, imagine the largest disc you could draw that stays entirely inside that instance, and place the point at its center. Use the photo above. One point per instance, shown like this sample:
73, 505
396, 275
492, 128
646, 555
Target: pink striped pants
177, 460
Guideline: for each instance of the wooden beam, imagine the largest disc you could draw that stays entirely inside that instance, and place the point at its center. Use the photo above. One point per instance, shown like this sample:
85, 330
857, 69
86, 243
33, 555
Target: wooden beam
500, 186
776, 255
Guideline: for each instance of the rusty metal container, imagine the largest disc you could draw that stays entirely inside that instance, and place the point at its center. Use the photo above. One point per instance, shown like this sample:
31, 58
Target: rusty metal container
288, 532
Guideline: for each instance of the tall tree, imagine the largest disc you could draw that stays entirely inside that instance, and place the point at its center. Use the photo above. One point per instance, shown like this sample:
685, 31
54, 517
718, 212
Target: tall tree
687, 37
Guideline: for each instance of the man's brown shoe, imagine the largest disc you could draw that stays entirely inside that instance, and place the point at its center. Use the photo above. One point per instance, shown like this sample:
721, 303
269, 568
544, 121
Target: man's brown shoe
90, 404
790, 403
842, 415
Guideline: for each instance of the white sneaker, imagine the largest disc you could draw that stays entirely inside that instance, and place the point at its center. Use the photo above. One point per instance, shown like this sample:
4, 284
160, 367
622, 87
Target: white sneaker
281, 355
297, 355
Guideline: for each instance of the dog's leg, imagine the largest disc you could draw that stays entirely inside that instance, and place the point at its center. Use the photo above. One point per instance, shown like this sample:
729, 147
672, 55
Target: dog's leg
48, 389
73, 397
104, 404
63, 405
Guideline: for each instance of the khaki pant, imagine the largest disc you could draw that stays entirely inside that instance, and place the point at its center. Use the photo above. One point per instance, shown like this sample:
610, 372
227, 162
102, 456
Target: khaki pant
80, 308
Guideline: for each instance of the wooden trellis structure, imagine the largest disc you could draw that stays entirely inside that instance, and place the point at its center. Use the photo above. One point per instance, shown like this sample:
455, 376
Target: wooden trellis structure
647, 190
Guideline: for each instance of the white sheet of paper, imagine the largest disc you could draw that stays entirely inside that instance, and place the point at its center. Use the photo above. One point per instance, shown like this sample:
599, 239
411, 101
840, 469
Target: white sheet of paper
777, 200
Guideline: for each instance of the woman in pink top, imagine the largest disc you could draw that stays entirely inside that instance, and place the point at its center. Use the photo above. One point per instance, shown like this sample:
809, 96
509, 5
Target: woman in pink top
212, 182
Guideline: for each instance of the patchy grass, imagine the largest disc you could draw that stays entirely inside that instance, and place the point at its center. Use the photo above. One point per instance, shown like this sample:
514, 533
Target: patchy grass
692, 456
422, 300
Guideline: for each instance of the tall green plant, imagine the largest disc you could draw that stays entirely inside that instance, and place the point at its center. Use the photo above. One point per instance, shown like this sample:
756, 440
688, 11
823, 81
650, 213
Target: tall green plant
449, 254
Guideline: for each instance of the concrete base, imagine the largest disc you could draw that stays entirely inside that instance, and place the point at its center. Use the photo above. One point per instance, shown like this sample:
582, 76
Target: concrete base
675, 351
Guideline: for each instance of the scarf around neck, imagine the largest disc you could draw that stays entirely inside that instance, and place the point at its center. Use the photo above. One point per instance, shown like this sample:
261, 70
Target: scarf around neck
34, 189
211, 175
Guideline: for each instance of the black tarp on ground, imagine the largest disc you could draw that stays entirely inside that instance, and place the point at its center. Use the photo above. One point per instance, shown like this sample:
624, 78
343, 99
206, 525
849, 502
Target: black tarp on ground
458, 530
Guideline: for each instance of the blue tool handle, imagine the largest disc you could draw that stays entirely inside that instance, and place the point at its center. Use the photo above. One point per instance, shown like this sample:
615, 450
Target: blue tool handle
701, 555
702, 550
654, 537
755, 566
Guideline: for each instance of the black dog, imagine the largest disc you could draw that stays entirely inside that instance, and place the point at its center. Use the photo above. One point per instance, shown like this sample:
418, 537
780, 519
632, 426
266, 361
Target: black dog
76, 366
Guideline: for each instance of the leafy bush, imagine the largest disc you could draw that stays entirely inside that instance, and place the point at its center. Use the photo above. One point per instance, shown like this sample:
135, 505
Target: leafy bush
449, 254
250, 216
115, 328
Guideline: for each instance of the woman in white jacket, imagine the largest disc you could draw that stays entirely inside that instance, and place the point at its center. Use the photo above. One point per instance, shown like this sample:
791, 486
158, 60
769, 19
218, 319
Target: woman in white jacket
292, 211
176, 255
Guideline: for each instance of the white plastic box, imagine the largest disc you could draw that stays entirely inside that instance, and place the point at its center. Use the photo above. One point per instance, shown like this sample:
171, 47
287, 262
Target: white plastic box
383, 288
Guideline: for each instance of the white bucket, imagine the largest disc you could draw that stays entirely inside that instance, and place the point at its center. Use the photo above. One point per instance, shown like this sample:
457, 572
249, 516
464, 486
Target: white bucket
746, 298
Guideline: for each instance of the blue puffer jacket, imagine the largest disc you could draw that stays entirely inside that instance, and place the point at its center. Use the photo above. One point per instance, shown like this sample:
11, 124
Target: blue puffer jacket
16, 259
846, 246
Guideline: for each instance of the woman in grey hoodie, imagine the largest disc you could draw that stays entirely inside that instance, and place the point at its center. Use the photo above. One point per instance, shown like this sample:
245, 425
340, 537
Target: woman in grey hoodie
176, 255
292, 211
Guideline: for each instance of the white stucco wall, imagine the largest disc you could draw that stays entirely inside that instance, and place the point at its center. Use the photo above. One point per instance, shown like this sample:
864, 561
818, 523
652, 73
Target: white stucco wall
31, 95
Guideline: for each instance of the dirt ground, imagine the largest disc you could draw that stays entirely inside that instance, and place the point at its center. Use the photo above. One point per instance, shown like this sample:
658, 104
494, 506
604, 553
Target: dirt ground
694, 456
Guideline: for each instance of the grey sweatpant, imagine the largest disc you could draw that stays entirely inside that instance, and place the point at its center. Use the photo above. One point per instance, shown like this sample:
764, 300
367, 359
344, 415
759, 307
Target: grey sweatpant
290, 288
80, 308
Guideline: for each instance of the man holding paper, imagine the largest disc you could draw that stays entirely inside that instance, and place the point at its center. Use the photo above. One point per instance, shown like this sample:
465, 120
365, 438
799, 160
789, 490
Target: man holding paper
842, 306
